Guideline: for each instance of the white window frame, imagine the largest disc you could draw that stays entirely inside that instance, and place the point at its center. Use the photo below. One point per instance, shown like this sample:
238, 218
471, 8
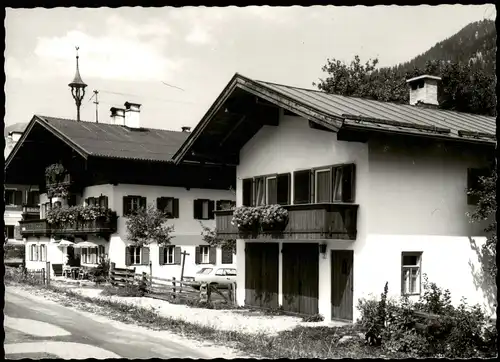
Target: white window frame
204, 256
136, 254
169, 252
42, 252
406, 274
266, 188
33, 252
134, 203
316, 183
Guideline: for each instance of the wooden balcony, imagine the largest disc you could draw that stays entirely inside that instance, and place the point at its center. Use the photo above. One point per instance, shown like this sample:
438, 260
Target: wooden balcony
305, 222
41, 227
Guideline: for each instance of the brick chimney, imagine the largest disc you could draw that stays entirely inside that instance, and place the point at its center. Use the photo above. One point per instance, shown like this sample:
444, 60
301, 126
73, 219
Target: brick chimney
132, 115
186, 129
424, 90
117, 116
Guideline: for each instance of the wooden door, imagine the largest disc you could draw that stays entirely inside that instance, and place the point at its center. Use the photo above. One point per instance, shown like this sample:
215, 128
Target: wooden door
342, 284
300, 278
261, 274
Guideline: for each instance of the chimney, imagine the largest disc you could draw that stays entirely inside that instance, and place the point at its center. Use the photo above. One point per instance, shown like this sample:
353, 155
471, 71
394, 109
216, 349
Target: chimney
424, 90
117, 116
132, 113
186, 129
15, 135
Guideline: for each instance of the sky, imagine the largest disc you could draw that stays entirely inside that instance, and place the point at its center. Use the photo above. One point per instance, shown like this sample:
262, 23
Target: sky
176, 61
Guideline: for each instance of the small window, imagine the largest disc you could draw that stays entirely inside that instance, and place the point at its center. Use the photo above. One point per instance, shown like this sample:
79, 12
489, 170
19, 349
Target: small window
204, 254
91, 201
302, 187
103, 201
248, 192
323, 185
259, 191
34, 252
13, 197
204, 209
271, 190
43, 252
132, 204
166, 205
411, 273
9, 231
169, 252
33, 198
135, 253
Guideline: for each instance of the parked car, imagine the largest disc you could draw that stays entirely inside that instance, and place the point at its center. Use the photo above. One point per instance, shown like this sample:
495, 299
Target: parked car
221, 277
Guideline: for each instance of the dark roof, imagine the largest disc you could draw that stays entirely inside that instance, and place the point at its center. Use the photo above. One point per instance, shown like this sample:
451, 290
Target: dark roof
114, 141
344, 107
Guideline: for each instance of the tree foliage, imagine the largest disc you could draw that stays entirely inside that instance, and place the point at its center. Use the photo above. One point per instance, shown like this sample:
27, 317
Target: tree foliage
210, 236
148, 225
485, 210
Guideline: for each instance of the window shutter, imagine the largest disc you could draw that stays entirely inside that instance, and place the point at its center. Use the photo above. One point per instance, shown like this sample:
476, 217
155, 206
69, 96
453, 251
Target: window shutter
103, 201
142, 202
177, 255
301, 187
227, 255
348, 183
128, 256
160, 203
175, 208
211, 207
312, 186
18, 197
161, 255
197, 255
197, 208
145, 256
17, 233
218, 205
247, 192
126, 206
212, 255
283, 186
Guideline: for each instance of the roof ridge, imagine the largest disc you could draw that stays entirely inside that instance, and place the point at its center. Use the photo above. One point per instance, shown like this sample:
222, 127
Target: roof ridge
107, 124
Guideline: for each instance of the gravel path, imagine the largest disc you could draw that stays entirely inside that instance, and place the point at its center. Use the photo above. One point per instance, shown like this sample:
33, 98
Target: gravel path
245, 321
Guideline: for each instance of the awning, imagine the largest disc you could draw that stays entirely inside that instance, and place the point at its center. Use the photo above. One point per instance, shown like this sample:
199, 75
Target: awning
86, 244
65, 243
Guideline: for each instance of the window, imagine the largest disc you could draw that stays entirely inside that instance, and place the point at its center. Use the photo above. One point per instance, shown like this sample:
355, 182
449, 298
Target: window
225, 204
203, 209
474, 183
169, 254
410, 273
283, 189
302, 187
227, 255
33, 198
92, 255
34, 252
271, 190
132, 204
103, 201
13, 197
259, 191
45, 208
248, 192
323, 185
91, 201
137, 255
204, 250
9, 231
43, 252
169, 206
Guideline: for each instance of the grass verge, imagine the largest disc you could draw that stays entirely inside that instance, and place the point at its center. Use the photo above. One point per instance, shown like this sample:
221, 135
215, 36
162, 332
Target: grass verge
301, 342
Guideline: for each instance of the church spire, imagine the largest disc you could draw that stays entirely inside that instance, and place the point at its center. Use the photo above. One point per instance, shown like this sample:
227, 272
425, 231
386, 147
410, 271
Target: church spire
77, 87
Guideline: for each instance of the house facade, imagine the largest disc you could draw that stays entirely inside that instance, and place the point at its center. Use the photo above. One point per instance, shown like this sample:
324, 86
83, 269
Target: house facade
120, 167
375, 193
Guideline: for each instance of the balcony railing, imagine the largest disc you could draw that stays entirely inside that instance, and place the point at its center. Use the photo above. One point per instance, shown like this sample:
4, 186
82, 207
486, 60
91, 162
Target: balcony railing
31, 209
42, 227
13, 207
305, 222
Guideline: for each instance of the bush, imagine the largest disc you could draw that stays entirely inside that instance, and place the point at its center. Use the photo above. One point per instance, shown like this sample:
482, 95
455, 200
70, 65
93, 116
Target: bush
313, 318
460, 332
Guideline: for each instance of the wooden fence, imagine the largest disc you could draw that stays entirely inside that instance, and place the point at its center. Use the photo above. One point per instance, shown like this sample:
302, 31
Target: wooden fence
121, 277
38, 276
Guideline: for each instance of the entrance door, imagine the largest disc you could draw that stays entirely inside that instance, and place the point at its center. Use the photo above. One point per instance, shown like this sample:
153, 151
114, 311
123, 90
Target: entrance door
261, 274
342, 284
300, 278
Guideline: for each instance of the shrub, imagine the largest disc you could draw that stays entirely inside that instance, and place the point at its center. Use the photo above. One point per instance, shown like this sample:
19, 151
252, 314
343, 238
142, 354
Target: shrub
313, 318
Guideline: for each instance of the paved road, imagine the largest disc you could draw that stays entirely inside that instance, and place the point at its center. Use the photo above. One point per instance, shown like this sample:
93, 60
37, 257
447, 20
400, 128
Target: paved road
34, 329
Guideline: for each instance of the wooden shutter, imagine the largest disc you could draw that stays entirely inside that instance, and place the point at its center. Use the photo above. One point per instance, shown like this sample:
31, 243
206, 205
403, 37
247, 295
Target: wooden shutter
175, 208
302, 187
211, 207
142, 202
227, 255
126, 206
160, 203
283, 186
197, 255
197, 208
177, 255
161, 255
312, 186
17, 233
248, 192
212, 255
218, 204
18, 197
128, 256
348, 183
145, 256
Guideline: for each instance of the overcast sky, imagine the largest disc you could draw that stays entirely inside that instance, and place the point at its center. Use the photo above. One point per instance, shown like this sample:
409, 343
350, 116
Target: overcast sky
127, 53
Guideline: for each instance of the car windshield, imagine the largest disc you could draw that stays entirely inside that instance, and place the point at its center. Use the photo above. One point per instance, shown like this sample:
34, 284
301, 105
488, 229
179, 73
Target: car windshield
205, 271
230, 271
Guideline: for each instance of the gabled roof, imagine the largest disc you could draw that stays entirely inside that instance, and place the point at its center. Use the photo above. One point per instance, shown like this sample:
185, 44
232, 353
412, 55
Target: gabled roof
110, 141
337, 112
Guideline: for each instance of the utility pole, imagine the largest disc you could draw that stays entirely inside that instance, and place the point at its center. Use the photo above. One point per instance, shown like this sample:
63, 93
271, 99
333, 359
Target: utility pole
96, 102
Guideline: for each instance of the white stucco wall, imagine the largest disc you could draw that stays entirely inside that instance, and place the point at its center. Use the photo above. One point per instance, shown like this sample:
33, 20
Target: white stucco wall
411, 198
